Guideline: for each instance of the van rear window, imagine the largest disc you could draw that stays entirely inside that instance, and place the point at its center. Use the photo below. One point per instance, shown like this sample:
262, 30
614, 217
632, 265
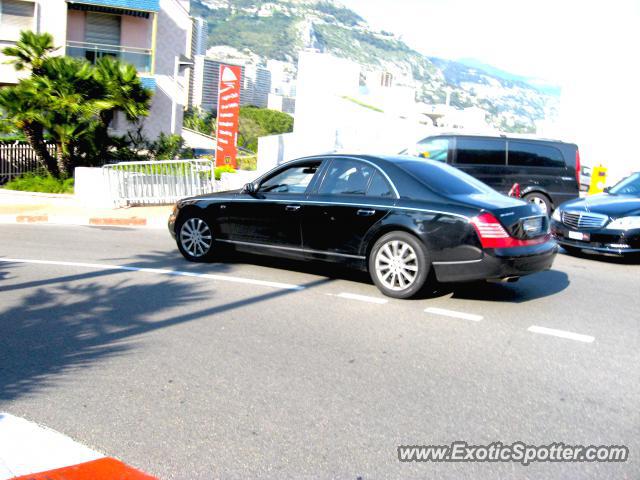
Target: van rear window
534, 155
481, 151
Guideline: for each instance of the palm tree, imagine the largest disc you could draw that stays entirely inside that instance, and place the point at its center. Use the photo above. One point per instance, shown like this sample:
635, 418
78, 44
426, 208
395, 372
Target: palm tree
22, 109
70, 99
30, 52
71, 96
122, 91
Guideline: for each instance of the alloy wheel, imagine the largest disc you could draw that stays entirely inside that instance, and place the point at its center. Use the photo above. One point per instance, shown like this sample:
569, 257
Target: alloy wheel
195, 237
396, 265
540, 203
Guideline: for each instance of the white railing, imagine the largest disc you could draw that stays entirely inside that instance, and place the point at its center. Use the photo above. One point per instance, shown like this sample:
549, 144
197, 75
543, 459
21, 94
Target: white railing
158, 182
19, 158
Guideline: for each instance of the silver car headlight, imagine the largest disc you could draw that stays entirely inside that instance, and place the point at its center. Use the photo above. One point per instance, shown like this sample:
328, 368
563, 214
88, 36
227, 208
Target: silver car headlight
557, 215
624, 223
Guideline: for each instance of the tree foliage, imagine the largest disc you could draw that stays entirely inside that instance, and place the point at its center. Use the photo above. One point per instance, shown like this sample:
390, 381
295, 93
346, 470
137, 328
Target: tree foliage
255, 122
71, 100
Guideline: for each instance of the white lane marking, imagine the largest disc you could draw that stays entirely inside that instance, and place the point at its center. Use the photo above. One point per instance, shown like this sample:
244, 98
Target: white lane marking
561, 333
178, 273
26, 448
361, 298
451, 313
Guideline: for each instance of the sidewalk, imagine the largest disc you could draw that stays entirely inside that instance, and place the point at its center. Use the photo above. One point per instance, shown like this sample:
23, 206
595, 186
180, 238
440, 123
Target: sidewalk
40, 208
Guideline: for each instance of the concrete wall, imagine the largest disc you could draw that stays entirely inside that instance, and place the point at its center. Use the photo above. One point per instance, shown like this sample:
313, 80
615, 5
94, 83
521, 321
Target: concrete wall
49, 16
76, 21
136, 32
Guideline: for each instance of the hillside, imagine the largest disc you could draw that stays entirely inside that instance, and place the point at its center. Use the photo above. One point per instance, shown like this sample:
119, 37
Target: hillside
279, 30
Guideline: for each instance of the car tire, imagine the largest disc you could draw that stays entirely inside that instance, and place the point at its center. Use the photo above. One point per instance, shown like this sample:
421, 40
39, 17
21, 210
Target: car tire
541, 200
194, 236
399, 264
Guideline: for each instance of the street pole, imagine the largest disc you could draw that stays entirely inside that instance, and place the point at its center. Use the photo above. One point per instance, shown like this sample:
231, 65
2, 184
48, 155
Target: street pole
174, 97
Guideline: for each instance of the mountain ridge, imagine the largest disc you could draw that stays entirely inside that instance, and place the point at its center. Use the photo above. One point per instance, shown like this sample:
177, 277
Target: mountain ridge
279, 30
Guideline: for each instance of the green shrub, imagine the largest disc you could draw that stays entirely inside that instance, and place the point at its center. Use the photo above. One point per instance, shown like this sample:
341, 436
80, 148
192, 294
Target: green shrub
32, 182
218, 171
247, 163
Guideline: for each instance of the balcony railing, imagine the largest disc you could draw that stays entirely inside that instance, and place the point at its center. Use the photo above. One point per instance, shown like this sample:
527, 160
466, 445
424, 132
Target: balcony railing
138, 57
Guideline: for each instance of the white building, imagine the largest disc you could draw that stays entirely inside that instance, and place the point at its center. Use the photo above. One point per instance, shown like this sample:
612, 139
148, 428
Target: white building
256, 86
199, 36
206, 76
150, 34
332, 115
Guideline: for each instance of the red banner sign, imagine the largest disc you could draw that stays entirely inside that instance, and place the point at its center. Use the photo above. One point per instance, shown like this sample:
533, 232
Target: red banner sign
228, 115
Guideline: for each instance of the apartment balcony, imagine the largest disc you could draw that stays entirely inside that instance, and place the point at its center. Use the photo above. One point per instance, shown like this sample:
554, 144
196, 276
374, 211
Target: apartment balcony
141, 58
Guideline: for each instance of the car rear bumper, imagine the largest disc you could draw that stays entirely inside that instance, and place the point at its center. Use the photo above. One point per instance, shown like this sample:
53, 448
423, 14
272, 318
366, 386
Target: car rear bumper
604, 241
498, 264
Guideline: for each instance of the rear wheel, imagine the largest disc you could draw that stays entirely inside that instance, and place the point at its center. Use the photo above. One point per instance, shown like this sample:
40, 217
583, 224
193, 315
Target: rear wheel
195, 239
399, 264
539, 199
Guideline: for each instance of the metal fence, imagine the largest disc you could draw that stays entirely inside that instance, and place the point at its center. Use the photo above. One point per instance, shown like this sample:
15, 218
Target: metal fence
158, 182
19, 158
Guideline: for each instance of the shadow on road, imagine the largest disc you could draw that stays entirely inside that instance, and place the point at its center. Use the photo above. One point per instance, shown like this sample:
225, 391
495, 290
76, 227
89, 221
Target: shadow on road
74, 321
528, 288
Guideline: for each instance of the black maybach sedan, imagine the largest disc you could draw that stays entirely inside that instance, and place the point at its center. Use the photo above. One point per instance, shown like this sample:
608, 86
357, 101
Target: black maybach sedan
608, 223
400, 218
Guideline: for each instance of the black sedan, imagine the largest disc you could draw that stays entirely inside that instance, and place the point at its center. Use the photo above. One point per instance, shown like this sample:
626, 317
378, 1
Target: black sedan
400, 218
608, 223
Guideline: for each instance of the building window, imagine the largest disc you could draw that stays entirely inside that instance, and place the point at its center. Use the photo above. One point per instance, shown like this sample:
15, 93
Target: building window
386, 79
15, 16
102, 29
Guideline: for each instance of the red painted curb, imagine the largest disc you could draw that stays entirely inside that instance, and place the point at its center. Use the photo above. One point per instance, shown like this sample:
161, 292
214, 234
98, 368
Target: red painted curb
32, 218
101, 469
118, 221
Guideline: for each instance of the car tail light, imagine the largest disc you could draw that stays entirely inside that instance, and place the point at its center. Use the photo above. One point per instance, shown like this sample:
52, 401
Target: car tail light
515, 190
578, 166
493, 235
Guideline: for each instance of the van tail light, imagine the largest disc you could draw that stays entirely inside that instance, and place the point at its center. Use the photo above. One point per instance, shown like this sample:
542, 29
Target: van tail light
578, 166
493, 235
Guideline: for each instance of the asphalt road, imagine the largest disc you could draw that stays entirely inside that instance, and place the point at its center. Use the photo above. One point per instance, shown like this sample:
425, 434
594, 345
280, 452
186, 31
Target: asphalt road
268, 369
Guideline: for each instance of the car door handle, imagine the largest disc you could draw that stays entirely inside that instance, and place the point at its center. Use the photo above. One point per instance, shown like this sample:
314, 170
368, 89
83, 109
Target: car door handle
365, 213
292, 208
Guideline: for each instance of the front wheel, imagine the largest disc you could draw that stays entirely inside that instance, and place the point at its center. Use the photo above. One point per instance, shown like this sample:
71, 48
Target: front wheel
195, 239
399, 264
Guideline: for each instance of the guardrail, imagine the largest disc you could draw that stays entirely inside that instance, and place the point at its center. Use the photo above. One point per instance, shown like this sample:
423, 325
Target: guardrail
158, 182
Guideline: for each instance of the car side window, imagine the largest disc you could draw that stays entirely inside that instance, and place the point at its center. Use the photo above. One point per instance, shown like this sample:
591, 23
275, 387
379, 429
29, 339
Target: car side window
378, 186
481, 151
534, 155
346, 177
435, 149
294, 179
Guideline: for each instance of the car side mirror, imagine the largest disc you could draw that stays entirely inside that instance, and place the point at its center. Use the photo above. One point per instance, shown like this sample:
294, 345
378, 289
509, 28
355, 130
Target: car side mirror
606, 189
249, 188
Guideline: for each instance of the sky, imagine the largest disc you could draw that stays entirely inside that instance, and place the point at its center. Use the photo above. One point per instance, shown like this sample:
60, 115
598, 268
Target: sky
589, 48
538, 39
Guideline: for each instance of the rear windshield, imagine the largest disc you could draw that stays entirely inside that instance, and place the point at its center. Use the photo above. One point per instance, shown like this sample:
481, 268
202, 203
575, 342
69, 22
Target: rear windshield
444, 179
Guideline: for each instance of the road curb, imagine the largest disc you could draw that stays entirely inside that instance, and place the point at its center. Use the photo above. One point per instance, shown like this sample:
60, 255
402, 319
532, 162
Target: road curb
29, 451
44, 219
